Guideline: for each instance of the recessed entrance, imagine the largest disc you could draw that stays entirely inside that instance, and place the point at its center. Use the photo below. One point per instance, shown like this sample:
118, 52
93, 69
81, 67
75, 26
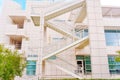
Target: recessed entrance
84, 63
80, 67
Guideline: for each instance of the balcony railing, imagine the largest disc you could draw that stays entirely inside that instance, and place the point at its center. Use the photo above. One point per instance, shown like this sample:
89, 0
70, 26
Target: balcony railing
17, 46
14, 30
51, 0
56, 4
12, 47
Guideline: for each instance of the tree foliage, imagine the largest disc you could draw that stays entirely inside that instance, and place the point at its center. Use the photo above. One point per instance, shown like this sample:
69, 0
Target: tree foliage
11, 64
117, 59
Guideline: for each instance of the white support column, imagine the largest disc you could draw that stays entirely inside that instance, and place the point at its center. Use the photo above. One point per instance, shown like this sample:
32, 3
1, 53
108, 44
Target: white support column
45, 42
99, 61
41, 42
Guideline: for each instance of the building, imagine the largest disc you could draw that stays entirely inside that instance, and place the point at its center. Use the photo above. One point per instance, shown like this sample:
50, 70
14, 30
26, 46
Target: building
63, 38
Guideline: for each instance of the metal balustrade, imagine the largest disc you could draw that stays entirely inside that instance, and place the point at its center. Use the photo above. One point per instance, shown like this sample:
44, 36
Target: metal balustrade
18, 46
63, 28
72, 38
56, 4
67, 67
68, 28
51, 0
69, 32
55, 48
49, 48
63, 25
14, 30
58, 48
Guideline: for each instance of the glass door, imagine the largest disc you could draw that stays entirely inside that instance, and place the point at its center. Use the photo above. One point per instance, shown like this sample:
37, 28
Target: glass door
80, 67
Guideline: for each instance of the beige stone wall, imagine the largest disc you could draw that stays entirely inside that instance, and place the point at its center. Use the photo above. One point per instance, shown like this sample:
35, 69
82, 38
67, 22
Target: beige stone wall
99, 59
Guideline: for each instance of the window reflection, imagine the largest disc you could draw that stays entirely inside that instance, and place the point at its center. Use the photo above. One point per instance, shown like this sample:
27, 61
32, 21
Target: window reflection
31, 68
112, 37
114, 67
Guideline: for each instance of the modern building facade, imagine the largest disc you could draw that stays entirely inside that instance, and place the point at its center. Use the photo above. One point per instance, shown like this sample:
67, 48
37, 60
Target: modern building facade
63, 38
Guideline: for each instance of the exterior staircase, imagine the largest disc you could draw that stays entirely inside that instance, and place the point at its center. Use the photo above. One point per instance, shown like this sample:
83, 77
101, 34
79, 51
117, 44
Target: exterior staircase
66, 67
68, 31
63, 28
57, 49
54, 49
57, 10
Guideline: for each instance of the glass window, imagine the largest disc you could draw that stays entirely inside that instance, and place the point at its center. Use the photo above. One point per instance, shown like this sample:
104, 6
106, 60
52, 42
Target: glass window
114, 67
85, 32
81, 33
52, 58
79, 57
30, 72
88, 67
31, 68
112, 37
86, 62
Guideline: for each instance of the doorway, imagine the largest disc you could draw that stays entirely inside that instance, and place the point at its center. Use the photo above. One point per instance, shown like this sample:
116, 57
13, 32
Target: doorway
80, 67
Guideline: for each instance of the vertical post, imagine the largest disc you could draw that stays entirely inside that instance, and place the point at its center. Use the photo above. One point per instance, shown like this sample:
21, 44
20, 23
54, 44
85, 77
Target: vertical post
45, 42
111, 14
43, 69
99, 64
45, 34
41, 42
42, 39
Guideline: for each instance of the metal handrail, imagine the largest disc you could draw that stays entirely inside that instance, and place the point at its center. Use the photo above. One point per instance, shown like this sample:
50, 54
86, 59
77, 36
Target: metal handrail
56, 46
65, 61
61, 25
66, 65
52, 47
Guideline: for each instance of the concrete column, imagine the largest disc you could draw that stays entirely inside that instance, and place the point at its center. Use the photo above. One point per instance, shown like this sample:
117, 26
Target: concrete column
99, 61
45, 42
40, 42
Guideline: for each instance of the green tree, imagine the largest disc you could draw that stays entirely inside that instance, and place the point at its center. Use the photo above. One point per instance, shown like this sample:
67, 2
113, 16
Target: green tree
117, 58
11, 64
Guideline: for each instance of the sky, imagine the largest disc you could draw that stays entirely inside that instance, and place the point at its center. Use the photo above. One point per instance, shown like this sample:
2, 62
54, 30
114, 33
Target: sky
0, 4
103, 2
21, 2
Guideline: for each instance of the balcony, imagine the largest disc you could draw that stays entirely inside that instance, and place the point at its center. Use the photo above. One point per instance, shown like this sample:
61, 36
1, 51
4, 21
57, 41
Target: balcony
16, 13
13, 47
13, 30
